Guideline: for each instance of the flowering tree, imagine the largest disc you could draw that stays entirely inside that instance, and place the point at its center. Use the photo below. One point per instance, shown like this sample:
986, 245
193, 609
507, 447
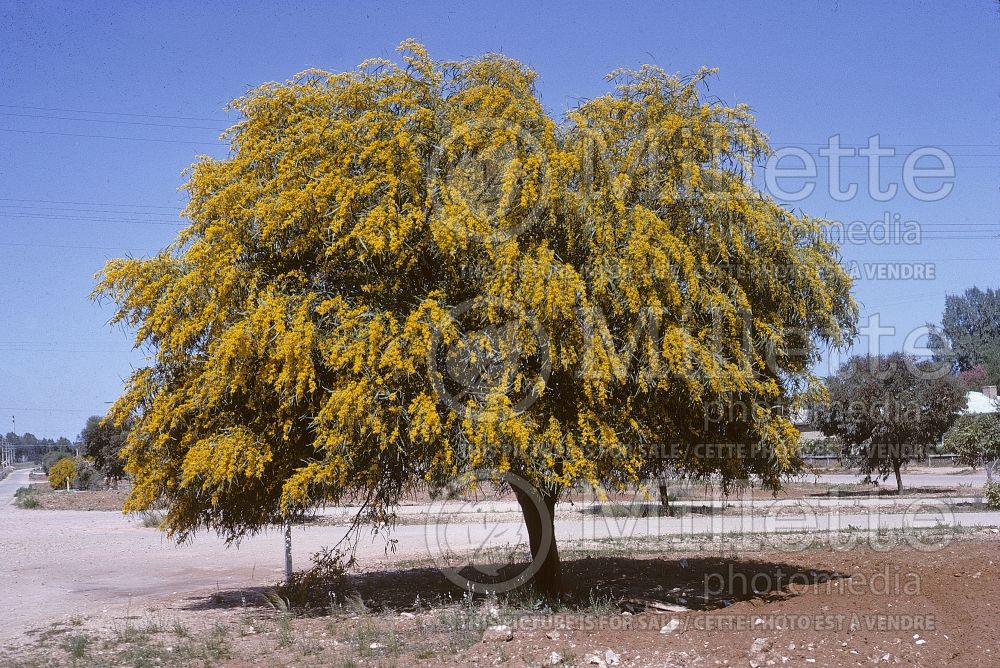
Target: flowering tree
408, 273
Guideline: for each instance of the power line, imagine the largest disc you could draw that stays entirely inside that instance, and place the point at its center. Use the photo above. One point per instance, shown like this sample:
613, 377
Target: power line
111, 113
32, 208
131, 221
61, 350
106, 120
44, 410
88, 136
926, 145
76, 247
55, 201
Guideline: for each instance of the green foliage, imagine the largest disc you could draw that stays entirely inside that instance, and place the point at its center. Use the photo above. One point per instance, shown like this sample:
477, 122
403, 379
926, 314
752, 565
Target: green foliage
77, 645
25, 497
831, 445
888, 409
991, 494
971, 326
103, 441
62, 472
86, 476
976, 441
50, 458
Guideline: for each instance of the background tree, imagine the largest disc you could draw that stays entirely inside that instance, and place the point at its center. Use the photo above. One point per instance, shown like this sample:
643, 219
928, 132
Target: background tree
976, 441
86, 476
888, 409
49, 459
970, 326
408, 273
974, 378
103, 442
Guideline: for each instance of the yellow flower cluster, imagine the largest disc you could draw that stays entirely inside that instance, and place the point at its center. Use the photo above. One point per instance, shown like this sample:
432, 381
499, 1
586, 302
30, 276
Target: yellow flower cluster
409, 271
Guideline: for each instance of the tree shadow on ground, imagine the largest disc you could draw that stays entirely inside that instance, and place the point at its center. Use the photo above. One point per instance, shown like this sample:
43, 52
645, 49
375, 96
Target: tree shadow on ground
630, 584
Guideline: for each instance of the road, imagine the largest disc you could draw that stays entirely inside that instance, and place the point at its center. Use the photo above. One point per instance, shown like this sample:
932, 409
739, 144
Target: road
977, 479
58, 564
10, 484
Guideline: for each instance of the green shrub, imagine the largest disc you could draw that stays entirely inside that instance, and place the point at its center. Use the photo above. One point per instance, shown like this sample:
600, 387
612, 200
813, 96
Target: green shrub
86, 476
25, 498
62, 471
991, 494
151, 519
830, 445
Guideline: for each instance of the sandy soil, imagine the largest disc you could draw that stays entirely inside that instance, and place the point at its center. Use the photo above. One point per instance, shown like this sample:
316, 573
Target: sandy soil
818, 607
95, 588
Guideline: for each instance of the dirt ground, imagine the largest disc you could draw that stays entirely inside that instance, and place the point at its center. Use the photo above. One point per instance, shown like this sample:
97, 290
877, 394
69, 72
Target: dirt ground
50, 499
97, 589
820, 607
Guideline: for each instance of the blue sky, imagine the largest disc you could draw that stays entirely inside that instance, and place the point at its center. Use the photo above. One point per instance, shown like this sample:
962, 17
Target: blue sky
78, 188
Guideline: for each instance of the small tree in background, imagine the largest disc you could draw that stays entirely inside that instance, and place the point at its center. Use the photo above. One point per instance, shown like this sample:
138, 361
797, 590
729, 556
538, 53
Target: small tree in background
102, 442
976, 441
888, 409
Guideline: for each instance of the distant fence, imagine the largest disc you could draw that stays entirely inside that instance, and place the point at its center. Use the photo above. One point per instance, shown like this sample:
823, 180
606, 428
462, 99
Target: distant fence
836, 461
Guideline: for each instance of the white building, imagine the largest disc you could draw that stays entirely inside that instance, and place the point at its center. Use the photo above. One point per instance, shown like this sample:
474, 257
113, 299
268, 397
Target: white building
979, 403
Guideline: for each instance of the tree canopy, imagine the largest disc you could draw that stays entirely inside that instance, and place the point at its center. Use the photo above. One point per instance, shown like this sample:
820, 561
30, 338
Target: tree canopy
409, 272
889, 408
103, 442
975, 439
970, 325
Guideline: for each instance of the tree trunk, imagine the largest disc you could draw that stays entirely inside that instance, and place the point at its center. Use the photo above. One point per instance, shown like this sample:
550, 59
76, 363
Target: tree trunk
539, 514
288, 551
899, 478
664, 497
